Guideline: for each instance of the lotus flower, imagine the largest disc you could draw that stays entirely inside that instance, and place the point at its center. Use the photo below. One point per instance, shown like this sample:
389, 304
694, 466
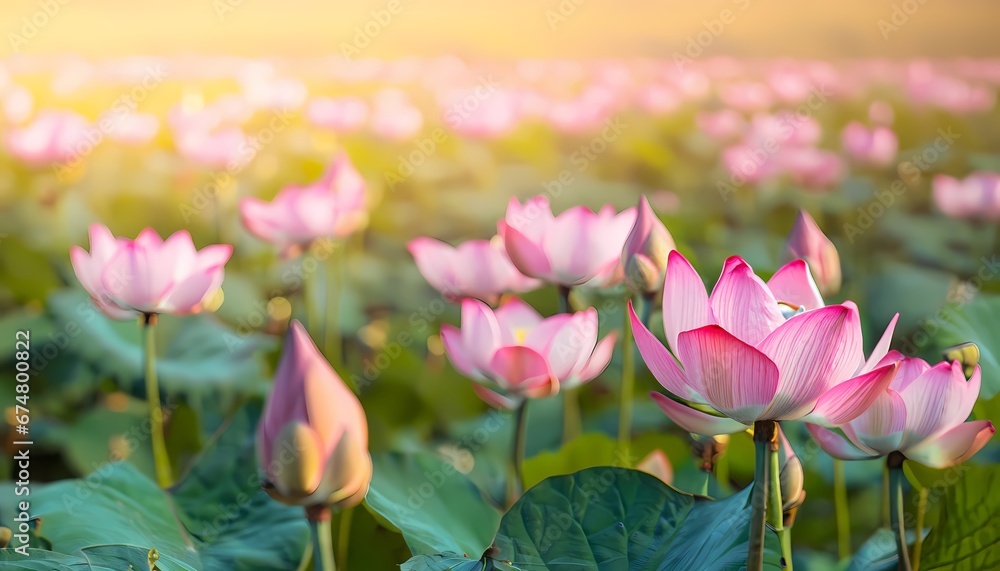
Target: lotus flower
645, 255
312, 439
130, 128
343, 115
657, 464
875, 146
149, 275
977, 196
225, 149
394, 117
54, 136
513, 353
570, 249
814, 169
921, 415
807, 241
477, 268
722, 125
742, 357
331, 207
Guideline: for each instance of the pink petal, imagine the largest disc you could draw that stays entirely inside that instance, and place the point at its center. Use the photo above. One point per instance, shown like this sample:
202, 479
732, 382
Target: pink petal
935, 402
836, 445
881, 348
495, 399
435, 260
566, 341
814, 351
186, 296
527, 256
954, 446
522, 371
457, 353
515, 317
880, 427
736, 378
598, 361
480, 332
696, 421
685, 302
846, 401
793, 284
743, 305
660, 362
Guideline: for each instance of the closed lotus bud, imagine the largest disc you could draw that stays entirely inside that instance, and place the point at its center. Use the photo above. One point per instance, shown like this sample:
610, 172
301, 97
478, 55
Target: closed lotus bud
790, 475
312, 440
647, 247
807, 242
657, 464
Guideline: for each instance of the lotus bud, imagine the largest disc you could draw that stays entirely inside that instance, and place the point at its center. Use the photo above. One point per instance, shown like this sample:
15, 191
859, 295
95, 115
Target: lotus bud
657, 464
790, 475
808, 242
312, 439
646, 249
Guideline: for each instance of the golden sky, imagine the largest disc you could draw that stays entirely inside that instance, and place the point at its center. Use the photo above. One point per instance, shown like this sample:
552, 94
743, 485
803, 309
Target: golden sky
502, 28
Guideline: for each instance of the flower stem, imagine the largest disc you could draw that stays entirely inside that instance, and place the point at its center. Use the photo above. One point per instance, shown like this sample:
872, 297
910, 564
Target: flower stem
628, 389
842, 509
517, 452
332, 344
777, 507
646, 310
322, 538
764, 431
344, 537
896, 515
160, 457
918, 543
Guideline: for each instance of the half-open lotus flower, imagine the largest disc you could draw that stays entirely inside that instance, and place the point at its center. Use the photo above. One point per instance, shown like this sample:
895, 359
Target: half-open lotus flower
332, 207
312, 439
644, 258
808, 242
514, 353
477, 268
53, 136
149, 275
755, 351
975, 196
922, 414
876, 146
570, 249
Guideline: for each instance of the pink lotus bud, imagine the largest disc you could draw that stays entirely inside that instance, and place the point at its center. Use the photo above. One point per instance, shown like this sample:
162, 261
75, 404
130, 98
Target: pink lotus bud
808, 242
312, 439
657, 464
790, 474
646, 249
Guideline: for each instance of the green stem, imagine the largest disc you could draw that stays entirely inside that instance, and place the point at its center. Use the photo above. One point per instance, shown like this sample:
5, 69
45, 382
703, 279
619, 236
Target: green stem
160, 457
896, 514
628, 390
777, 507
722, 469
564, 306
764, 432
344, 537
842, 509
918, 544
309, 311
331, 325
704, 485
517, 452
646, 310
322, 538
885, 495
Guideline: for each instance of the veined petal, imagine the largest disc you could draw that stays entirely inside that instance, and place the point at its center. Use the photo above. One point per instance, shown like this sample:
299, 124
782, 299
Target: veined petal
685, 301
881, 348
836, 445
743, 304
846, 401
660, 362
738, 380
480, 333
793, 284
495, 399
522, 371
880, 427
598, 361
434, 259
934, 403
696, 421
451, 337
527, 256
954, 446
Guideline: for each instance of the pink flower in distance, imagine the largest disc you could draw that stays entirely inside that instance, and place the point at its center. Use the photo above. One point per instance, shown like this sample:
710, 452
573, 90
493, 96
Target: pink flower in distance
513, 353
976, 196
332, 207
54, 136
721, 125
876, 146
922, 414
476, 268
148, 275
570, 249
811, 168
342, 115
644, 258
745, 359
225, 149
129, 128
312, 439
807, 241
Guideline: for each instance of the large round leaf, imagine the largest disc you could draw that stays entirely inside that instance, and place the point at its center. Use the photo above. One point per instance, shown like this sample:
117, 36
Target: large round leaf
974, 321
965, 533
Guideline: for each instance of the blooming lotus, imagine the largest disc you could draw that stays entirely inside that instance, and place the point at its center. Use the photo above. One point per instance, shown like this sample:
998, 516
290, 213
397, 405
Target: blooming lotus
53, 136
312, 439
976, 196
875, 146
742, 357
922, 414
644, 257
331, 207
149, 275
807, 241
477, 268
570, 249
513, 353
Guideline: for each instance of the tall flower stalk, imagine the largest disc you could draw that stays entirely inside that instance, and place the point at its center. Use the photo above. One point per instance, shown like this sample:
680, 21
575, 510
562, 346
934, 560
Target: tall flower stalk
765, 432
161, 459
322, 538
896, 514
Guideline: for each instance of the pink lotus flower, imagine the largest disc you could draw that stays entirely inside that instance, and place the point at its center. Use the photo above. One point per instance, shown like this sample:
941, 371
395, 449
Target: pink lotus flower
747, 96
18, 103
473, 114
977, 196
148, 275
812, 168
570, 249
921, 414
790, 475
876, 146
881, 113
312, 439
644, 257
477, 268
657, 464
54, 136
807, 242
744, 359
722, 125
332, 207
394, 118
224, 149
129, 128
513, 353
342, 115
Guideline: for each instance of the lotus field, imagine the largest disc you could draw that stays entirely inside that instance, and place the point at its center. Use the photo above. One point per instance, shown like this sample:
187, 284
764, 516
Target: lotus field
528, 314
